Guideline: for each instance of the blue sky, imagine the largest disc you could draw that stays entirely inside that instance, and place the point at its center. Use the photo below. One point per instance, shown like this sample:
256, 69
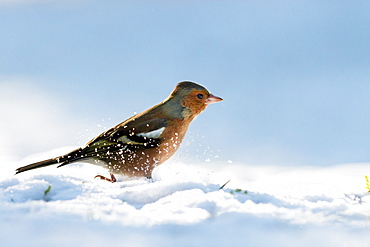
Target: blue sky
294, 75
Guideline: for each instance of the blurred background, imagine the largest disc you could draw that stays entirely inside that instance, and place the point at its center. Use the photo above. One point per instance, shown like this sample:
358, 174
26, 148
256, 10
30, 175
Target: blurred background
294, 75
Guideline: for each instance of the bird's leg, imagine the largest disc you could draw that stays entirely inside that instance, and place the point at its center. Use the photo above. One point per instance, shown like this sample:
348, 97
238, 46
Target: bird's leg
111, 179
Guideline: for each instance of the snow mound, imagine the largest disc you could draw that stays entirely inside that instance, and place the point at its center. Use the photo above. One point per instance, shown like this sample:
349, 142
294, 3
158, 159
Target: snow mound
184, 206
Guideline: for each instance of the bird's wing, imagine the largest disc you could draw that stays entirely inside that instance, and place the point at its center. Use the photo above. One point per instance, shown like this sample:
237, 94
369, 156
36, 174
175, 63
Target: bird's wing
147, 132
122, 137
133, 132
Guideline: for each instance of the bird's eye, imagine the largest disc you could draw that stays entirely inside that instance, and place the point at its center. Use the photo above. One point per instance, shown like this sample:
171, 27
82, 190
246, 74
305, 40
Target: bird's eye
200, 96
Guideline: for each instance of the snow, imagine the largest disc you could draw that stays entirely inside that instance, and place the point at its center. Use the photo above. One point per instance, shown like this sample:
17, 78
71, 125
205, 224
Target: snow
184, 206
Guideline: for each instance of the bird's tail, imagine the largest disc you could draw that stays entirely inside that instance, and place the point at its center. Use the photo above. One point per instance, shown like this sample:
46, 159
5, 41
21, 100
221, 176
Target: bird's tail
38, 165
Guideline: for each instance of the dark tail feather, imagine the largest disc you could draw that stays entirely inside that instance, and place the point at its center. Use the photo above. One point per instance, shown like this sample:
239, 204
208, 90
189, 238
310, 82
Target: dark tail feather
38, 165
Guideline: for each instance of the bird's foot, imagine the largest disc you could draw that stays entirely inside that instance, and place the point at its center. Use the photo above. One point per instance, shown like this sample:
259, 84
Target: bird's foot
111, 179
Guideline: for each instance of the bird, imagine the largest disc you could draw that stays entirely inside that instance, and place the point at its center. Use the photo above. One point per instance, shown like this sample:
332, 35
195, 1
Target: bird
136, 146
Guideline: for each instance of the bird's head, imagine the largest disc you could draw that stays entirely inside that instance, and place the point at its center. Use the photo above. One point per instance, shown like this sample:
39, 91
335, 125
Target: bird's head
191, 98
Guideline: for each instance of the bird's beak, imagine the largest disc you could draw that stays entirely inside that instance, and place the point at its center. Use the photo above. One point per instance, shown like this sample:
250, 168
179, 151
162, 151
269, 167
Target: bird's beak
213, 99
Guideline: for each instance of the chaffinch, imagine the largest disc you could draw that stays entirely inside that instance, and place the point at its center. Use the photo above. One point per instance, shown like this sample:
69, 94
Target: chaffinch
136, 146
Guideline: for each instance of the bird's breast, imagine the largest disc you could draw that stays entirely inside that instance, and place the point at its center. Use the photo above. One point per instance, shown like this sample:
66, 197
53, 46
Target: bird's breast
172, 137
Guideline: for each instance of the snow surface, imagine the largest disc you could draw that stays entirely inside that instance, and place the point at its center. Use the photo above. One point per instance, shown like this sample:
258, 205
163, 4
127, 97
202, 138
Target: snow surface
184, 206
